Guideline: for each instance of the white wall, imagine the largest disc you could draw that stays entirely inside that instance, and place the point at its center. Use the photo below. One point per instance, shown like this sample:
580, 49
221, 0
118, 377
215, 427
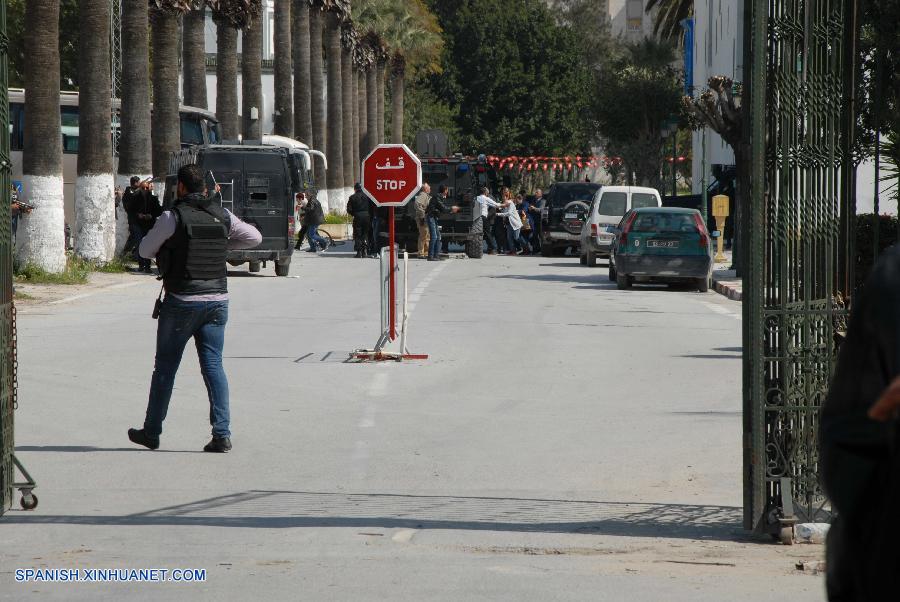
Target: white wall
718, 50
865, 191
630, 29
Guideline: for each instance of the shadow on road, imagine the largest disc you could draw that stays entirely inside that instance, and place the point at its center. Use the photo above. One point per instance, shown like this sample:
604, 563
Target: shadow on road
90, 448
591, 279
300, 509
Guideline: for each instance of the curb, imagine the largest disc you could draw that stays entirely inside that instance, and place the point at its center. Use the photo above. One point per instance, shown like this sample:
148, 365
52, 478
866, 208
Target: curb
729, 288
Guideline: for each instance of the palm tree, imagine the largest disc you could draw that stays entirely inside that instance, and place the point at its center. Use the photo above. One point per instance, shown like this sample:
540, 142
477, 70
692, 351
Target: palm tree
301, 57
349, 39
317, 91
334, 145
193, 57
284, 86
135, 150
376, 48
166, 126
230, 16
39, 239
251, 80
95, 232
380, 66
362, 101
668, 18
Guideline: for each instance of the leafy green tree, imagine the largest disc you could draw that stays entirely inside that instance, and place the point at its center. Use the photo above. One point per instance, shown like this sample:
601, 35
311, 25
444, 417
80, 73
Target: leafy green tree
516, 77
634, 98
19, 48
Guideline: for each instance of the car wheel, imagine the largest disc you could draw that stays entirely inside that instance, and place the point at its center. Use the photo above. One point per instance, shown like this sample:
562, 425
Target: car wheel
474, 248
582, 260
282, 267
254, 266
591, 259
623, 282
612, 274
703, 285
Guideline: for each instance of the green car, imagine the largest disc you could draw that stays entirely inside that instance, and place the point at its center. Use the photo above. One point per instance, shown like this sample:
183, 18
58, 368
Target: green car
661, 244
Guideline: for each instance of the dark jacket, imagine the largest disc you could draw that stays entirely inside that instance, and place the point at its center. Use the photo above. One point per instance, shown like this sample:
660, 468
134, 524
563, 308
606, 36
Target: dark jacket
858, 463
358, 206
313, 214
436, 206
140, 201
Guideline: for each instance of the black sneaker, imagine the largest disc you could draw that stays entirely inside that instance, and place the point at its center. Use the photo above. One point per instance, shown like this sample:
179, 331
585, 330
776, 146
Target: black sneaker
218, 445
142, 438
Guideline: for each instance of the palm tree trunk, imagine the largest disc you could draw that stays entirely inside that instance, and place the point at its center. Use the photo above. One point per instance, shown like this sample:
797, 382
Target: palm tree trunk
398, 87
39, 238
135, 150
354, 140
334, 150
226, 79
251, 81
302, 96
166, 127
317, 89
347, 102
379, 96
371, 108
193, 58
284, 86
95, 231
363, 102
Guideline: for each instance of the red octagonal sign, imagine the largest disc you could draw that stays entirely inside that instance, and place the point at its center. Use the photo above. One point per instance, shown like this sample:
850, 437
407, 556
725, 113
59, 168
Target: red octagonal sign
391, 175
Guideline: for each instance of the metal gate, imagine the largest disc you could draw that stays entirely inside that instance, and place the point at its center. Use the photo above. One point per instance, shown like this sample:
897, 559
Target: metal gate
7, 373
801, 59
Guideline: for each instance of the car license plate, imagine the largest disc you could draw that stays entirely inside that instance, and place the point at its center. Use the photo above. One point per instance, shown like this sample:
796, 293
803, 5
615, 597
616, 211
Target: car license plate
664, 244
571, 216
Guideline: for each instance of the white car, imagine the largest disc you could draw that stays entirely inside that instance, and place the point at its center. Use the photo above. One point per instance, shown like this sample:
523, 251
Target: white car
606, 211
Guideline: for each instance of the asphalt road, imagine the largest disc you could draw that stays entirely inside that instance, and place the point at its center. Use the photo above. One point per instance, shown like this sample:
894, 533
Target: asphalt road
565, 441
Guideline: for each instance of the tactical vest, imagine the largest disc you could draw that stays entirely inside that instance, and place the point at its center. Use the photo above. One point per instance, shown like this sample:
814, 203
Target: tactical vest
194, 257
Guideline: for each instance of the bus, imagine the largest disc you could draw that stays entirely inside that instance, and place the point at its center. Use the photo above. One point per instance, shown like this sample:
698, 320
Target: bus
198, 126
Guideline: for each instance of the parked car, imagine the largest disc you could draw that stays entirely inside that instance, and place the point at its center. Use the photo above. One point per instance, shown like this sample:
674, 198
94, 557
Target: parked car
606, 211
563, 215
661, 244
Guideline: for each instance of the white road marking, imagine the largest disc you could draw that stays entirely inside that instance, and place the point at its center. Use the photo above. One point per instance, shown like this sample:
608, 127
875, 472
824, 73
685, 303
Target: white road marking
379, 385
721, 310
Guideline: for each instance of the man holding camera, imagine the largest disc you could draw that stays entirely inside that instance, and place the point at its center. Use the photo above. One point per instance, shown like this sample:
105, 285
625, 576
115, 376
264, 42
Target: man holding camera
142, 207
190, 244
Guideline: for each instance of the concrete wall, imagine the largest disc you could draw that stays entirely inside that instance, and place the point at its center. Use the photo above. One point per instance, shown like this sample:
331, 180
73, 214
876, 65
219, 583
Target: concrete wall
629, 19
718, 50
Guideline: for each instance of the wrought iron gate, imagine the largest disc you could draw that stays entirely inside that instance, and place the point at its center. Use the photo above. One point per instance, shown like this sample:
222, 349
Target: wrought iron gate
801, 65
7, 374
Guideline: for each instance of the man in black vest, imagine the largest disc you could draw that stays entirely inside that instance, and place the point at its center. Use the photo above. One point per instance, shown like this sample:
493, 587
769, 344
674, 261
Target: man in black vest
358, 207
190, 244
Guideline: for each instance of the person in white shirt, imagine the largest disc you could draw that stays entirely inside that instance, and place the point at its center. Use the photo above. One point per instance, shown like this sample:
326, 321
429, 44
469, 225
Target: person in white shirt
485, 201
510, 212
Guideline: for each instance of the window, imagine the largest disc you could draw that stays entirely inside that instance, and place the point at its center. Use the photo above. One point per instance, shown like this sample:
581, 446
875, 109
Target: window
634, 15
16, 126
191, 132
70, 131
643, 199
562, 195
664, 222
613, 203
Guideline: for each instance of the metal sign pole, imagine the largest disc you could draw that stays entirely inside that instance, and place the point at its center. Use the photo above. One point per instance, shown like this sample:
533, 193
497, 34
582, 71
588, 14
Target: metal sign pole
392, 308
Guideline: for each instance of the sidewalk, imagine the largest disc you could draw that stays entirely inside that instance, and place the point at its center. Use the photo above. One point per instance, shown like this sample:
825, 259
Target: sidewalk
725, 282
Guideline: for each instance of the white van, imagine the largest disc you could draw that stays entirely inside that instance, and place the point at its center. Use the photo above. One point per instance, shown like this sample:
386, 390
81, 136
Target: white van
608, 207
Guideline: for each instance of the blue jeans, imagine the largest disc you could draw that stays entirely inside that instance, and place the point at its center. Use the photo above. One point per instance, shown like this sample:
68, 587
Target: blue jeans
434, 231
179, 321
137, 235
513, 238
314, 239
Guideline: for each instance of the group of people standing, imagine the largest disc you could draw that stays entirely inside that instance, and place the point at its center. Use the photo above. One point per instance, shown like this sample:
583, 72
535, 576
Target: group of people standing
512, 226
142, 208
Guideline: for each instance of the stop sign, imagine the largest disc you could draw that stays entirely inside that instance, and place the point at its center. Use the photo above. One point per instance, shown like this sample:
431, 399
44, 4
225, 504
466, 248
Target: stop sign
391, 175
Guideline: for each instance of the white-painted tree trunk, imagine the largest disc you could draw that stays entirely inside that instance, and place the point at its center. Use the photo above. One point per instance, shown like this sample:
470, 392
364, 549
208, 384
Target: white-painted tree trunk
95, 222
41, 234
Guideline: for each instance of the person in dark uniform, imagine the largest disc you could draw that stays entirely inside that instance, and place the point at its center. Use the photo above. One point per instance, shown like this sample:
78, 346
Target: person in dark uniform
435, 208
190, 244
859, 460
142, 207
358, 207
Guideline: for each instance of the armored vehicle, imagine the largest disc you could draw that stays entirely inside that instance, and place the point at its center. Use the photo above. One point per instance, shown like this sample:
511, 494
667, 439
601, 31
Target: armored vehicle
258, 184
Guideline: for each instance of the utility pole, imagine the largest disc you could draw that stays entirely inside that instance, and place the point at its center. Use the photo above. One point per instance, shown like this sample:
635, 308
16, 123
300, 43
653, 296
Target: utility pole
115, 64
703, 186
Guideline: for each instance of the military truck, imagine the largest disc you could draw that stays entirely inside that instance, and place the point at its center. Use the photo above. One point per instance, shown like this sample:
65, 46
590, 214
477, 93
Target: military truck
258, 184
465, 177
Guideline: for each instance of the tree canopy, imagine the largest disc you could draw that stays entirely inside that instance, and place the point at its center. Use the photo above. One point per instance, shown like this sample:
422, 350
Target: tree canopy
515, 77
